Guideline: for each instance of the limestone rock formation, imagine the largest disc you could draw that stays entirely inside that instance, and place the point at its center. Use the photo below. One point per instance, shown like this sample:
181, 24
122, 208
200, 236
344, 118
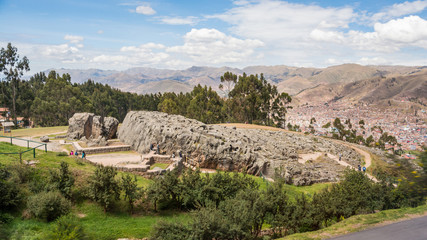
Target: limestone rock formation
80, 125
219, 147
92, 128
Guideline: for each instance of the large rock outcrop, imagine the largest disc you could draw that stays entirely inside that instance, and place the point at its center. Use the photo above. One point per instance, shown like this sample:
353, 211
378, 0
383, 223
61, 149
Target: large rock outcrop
91, 127
227, 148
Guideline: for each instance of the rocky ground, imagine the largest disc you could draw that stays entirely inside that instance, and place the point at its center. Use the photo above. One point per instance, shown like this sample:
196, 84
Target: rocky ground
234, 149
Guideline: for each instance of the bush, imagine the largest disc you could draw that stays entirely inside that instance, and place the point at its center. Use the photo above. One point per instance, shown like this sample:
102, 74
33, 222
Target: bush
10, 194
48, 206
62, 154
67, 228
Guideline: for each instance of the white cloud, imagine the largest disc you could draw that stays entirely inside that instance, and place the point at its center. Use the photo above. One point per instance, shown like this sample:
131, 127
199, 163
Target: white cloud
58, 50
145, 9
210, 46
407, 30
190, 20
73, 38
400, 9
373, 61
327, 36
275, 21
100, 31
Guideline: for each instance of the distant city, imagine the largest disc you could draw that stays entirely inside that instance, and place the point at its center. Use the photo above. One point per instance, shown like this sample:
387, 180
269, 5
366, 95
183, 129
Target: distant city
410, 129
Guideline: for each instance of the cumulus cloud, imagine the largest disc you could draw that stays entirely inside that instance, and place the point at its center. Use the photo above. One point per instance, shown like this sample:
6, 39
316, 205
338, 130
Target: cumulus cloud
407, 30
145, 10
210, 46
278, 21
190, 20
400, 9
73, 38
135, 55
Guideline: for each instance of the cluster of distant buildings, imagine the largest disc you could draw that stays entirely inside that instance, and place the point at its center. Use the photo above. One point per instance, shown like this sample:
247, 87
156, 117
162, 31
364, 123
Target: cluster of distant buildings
410, 129
6, 121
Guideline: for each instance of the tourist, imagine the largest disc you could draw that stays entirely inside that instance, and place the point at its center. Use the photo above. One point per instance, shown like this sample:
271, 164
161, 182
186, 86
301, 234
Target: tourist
71, 153
158, 149
359, 167
180, 154
364, 169
340, 156
151, 147
83, 154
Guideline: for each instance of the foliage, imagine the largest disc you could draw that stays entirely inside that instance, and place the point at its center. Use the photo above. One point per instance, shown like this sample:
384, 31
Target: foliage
131, 190
67, 227
48, 206
13, 68
103, 187
62, 180
10, 194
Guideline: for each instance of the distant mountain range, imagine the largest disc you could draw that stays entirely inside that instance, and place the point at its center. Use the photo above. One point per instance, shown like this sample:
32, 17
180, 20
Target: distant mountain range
347, 81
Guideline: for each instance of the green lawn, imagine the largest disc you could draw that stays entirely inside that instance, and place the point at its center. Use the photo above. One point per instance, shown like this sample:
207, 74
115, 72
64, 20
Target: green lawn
37, 132
160, 165
359, 223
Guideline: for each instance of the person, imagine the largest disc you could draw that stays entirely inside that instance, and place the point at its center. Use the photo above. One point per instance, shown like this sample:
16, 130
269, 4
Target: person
364, 169
359, 167
71, 153
151, 147
83, 154
180, 154
77, 154
340, 157
158, 149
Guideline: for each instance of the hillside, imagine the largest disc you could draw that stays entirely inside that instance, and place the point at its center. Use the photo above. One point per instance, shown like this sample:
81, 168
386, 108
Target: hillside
378, 90
288, 79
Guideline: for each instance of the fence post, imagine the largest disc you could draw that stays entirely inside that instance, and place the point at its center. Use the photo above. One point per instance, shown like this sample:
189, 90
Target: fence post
28, 144
10, 140
45, 147
20, 157
34, 152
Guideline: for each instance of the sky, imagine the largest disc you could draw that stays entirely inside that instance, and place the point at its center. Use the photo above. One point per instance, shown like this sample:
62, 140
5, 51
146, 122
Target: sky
121, 34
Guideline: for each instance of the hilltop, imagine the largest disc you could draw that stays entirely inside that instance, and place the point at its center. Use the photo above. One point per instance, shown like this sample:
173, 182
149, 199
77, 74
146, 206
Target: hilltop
288, 79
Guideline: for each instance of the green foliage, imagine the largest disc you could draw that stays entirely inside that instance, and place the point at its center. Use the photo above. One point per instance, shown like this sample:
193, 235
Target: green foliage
131, 190
327, 125
48, 206
67, 227
10, 194
62, 180
103, 187
170, 231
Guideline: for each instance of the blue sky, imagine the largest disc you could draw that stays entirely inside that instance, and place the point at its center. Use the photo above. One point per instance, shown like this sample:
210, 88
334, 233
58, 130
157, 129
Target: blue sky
115, 34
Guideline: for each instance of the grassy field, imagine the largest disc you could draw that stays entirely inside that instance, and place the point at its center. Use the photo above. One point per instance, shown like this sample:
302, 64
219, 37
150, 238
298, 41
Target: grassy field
160, 165
361, 222
37, 132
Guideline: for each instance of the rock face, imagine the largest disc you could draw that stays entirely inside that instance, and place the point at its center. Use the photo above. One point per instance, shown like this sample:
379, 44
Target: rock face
90, 127
219, 147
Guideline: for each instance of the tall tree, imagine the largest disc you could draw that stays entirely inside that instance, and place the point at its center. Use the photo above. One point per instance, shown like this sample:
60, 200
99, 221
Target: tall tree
12, 67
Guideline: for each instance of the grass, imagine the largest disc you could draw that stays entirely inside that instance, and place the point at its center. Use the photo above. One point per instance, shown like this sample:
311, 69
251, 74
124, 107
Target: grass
361, 222
97, 224
38, 132
160, 165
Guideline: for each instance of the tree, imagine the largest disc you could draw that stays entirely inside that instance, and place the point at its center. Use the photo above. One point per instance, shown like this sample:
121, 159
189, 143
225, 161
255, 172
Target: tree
228, 80
63, 180
12, 67
131, 190
103, 187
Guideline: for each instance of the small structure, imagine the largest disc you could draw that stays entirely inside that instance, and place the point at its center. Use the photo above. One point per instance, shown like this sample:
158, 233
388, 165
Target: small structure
7, 127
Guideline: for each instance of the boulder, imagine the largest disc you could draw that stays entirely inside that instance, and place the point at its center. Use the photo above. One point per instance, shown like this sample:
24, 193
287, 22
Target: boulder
110, 127
91, 127
44, 139
80, 125
232, 149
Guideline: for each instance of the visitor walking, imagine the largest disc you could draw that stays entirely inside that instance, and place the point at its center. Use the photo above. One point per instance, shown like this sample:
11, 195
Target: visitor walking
340, 156
71, 153
83, 155
151, 147
359, 167
364, 169
158, 149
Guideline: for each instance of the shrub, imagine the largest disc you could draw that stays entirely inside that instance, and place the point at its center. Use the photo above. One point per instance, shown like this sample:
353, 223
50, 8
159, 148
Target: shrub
10, 194
103, 187
62, 154
48, 206
67, 228
62, 180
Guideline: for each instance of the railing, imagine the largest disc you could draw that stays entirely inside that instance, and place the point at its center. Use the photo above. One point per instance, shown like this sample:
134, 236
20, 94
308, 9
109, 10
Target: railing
28, 147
